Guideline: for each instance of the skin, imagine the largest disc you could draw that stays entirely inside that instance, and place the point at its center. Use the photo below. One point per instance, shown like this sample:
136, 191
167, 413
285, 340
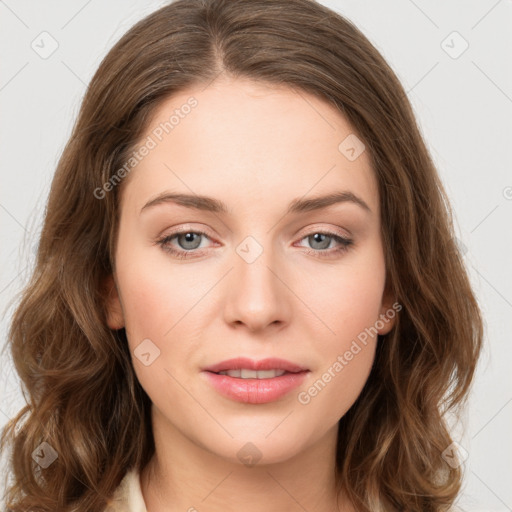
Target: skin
255, 147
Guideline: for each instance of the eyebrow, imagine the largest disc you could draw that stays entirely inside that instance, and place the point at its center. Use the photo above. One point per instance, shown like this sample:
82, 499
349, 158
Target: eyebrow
298, 205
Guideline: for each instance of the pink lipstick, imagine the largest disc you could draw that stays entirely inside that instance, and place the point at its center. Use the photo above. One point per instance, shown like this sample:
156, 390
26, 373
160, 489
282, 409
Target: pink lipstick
255, 382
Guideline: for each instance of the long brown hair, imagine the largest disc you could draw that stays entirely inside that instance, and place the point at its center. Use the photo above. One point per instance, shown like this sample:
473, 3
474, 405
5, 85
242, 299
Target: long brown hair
83, 397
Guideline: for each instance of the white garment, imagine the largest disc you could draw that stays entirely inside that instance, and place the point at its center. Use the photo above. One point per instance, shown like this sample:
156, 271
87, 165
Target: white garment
128, 495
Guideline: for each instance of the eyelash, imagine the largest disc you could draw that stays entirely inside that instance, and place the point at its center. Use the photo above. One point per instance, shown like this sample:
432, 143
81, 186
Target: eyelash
345, 243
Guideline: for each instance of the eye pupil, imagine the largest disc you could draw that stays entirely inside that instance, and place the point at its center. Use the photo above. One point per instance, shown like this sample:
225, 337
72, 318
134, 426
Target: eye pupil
189, 239
321, 239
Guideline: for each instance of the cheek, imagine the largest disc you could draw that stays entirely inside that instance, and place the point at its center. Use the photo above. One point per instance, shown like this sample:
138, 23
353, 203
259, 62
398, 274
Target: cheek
336, 387
157, 296
166, 308
358, 306
346, 298
346, 350
149, 303
161, 325
348, 308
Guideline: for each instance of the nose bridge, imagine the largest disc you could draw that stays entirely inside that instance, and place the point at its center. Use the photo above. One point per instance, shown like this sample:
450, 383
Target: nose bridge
257, 295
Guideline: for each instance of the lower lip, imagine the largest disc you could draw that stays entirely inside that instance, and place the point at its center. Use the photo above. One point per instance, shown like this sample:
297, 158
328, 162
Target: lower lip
255, 391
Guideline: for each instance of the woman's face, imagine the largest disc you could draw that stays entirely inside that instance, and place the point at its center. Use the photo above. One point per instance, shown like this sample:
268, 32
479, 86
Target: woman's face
266, 277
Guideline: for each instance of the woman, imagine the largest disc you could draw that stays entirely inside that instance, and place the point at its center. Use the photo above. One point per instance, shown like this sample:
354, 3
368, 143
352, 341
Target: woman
247, 291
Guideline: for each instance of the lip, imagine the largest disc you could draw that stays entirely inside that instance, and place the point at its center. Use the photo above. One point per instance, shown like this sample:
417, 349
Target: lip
271, 363
255, 391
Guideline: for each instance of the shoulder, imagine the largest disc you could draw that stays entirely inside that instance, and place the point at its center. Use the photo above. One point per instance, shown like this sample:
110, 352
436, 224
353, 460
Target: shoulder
128, 495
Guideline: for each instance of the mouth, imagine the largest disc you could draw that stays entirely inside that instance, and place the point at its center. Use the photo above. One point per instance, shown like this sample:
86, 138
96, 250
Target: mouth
255, 382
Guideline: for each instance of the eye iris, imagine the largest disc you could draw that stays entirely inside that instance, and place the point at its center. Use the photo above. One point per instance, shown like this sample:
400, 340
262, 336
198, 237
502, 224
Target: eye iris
322, 242
188, 237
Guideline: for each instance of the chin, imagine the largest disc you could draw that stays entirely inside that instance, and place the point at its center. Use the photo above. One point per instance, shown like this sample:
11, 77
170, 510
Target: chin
250, 448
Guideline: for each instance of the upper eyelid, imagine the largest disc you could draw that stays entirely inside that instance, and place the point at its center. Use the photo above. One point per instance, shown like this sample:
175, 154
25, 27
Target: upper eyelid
186, 230
326, 231
316, 227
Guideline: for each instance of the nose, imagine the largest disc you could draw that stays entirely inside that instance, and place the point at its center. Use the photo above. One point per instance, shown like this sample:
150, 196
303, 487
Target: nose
258, 296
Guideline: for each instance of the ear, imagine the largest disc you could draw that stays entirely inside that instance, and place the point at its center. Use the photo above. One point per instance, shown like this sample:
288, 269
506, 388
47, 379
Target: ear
113, 308
388, 312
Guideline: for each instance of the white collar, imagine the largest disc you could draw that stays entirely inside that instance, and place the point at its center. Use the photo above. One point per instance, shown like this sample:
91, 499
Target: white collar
128, 496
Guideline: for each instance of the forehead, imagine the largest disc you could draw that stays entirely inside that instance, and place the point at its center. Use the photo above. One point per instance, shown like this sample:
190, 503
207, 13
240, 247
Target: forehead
247, 142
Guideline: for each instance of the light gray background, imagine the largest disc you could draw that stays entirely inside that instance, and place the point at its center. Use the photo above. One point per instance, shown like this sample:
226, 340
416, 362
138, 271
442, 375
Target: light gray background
464, 107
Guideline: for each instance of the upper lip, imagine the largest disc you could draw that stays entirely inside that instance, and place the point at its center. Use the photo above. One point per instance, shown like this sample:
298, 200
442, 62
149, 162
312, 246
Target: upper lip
239, 363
